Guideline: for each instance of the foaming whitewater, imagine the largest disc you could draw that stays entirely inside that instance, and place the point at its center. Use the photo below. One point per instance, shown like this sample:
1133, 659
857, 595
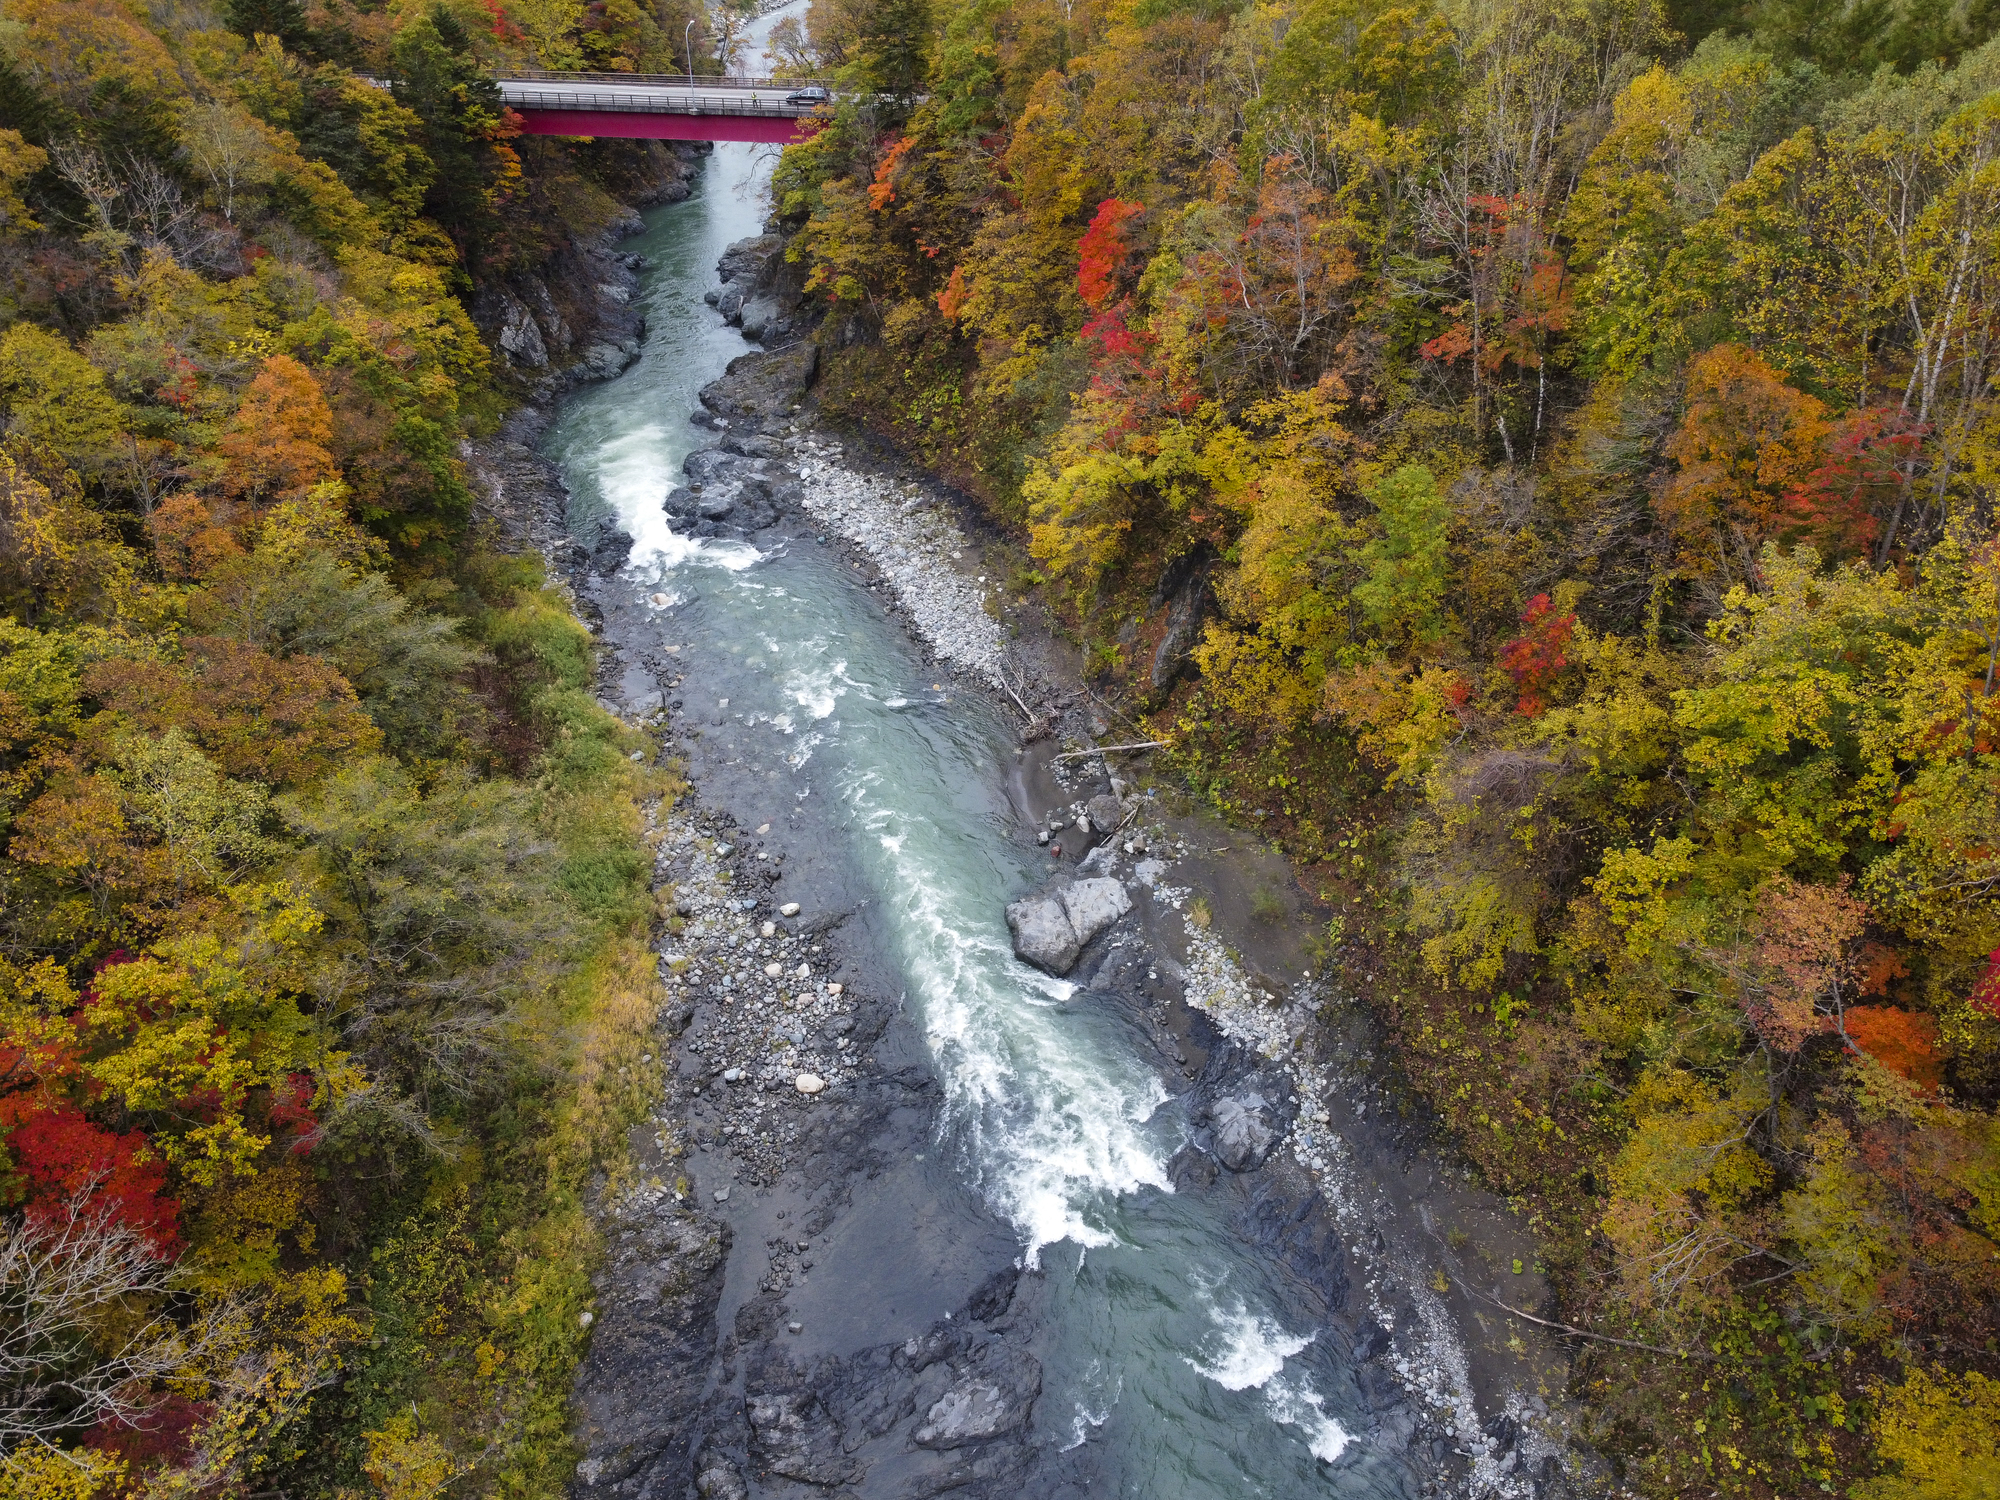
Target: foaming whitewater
1251, 1354
1050, 1132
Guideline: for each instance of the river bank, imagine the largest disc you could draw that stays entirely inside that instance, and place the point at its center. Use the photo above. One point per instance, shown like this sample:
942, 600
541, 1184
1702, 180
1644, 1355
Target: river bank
881, 1297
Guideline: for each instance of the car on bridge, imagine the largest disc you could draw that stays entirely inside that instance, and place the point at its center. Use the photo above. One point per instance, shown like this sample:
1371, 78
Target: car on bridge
811, 94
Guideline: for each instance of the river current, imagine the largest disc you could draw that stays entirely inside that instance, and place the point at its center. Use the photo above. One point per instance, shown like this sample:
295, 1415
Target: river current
1172, 1355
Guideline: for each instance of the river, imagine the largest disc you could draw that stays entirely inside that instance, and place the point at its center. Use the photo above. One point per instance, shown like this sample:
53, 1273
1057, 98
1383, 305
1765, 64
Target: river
1178, 1360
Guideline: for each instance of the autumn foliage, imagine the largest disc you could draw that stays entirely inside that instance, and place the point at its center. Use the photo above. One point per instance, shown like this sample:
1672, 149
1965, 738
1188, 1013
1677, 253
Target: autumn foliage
1538, 468
288, 853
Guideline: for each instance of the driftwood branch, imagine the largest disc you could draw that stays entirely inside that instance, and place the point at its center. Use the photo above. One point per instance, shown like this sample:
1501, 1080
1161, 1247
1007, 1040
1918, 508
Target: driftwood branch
1108, 749
1573, 1331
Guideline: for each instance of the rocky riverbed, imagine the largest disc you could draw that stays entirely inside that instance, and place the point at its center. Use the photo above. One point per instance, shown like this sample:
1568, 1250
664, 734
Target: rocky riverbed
795, 1192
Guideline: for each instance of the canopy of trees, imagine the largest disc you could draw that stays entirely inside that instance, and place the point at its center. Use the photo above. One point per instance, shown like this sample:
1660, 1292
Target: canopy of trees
1586, 414
323, 910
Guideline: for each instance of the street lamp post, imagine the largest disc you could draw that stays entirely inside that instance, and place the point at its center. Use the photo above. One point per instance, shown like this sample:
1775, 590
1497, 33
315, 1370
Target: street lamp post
688, 46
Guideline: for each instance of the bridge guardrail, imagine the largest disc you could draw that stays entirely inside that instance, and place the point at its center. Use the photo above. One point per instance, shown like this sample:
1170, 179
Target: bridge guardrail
664, 80
659, 104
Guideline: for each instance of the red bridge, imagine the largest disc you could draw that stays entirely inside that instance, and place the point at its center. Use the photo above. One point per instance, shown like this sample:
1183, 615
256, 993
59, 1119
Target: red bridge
666, 107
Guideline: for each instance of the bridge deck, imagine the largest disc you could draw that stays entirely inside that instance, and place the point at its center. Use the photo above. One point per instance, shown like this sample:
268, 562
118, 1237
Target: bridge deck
651, 107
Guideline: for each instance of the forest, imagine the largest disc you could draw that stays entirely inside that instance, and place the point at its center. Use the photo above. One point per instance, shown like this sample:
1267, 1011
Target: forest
324, 903
1579, 418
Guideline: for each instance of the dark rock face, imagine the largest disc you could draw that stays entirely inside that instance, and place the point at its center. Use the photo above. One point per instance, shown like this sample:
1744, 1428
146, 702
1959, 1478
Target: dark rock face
608, 555
792, 1434
1184, 589
746, 263
763, 385
760, 289
640, 1388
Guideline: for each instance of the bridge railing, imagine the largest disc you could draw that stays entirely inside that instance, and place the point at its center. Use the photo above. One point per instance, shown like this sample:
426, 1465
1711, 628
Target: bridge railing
658, 104
666, 80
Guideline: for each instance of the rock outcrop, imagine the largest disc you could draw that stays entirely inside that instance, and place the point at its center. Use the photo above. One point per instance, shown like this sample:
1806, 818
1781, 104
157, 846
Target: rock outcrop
1245, 1129
763, 385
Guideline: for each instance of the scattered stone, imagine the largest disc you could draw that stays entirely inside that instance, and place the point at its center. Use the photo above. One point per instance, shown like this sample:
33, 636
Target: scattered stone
808, 1083
722, 1195
789, 909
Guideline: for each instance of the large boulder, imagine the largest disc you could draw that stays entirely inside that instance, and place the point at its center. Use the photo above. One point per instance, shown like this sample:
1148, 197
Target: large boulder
1093, 905
763, 319
1245, 1128
1042, 934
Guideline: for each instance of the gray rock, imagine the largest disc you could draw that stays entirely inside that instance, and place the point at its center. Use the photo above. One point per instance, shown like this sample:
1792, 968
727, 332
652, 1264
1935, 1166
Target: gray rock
982, 1403
764, 384
791, 1434
555, 329
705, 465
730, 304
717, 1478
1093, 905
1042, 934
759, 313
753, 445
1103, 860
603, 361
715, 502
749, 261
520, 339
1245, 1130
1185, 591
1106, 813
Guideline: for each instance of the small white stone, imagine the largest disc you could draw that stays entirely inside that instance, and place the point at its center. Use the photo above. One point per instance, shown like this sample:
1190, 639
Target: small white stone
789, 909
808, 1083
731, 1075
804, 971
774, 969
769, 929
835, 989
584, 1320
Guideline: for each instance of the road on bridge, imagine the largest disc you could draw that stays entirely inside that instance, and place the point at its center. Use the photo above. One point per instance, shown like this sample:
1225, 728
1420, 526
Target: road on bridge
660, 107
